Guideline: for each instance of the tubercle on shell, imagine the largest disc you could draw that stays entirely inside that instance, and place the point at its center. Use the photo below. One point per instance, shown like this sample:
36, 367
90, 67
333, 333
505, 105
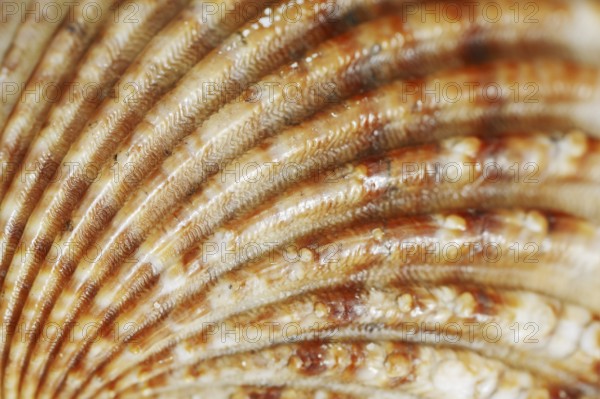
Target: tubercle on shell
392, 178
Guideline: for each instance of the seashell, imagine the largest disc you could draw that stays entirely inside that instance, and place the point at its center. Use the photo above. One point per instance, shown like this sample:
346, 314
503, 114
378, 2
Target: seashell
300, 199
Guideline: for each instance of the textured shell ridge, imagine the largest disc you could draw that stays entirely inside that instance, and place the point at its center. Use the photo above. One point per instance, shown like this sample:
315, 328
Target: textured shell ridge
328, 199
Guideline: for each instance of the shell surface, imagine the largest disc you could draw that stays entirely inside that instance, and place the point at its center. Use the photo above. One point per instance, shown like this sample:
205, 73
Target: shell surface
300, 199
